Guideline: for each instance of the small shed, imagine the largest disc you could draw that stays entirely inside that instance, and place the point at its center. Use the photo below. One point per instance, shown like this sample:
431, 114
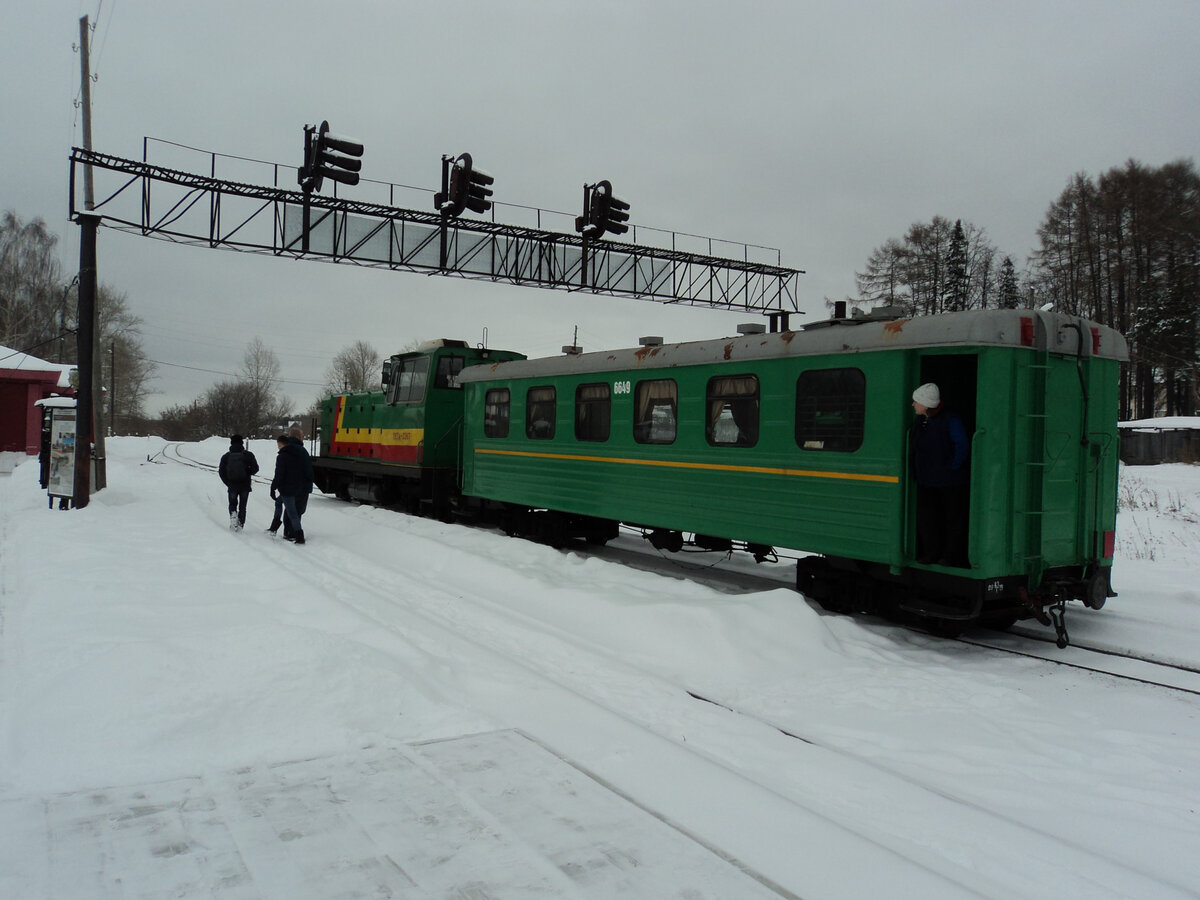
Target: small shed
24, 380
1147, 442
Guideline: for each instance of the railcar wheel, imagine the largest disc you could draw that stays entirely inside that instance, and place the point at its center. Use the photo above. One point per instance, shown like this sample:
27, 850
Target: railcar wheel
948, 628
1002, 623
1095, 590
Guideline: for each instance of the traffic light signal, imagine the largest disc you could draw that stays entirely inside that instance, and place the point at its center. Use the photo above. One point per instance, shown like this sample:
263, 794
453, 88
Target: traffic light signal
603, 212
463, 187
328, 155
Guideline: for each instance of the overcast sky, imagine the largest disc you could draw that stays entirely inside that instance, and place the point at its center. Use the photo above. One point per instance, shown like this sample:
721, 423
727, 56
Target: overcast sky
820, 129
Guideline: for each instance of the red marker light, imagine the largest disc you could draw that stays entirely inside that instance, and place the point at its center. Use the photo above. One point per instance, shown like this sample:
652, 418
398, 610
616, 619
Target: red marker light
1026, 331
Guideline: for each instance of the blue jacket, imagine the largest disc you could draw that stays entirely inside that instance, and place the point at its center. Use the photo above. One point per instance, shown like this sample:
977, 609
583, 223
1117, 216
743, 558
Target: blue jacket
939, 450
293, 471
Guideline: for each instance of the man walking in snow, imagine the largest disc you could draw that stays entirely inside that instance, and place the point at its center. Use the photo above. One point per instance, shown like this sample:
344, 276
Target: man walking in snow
292, 484
237, 467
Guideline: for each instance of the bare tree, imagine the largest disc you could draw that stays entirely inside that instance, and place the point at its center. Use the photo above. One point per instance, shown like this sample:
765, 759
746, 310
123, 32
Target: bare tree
883, 282
185, 422
1124, 249
355, 368
229, 406
263, 402
32, 291
127, 372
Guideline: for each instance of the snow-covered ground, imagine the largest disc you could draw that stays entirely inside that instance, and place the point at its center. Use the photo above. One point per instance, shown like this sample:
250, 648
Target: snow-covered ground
407, 708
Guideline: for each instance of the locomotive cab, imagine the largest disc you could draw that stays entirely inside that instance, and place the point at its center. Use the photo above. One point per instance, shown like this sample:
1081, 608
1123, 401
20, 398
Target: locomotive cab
401, 445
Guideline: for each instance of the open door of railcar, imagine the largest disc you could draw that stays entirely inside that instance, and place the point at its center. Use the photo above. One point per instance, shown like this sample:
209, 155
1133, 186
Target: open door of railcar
956, 375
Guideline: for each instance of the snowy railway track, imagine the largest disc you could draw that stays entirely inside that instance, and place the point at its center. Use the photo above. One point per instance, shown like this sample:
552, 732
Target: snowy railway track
667, 715
363, 596
1125, 666
1139, 669
174, 453
598, 706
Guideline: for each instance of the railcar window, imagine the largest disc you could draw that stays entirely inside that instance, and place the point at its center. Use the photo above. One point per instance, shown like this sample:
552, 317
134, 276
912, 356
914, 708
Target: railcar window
408, 382
447, 372
541, 410
656, 405
733, 411
496, 405
830, 405
593, 412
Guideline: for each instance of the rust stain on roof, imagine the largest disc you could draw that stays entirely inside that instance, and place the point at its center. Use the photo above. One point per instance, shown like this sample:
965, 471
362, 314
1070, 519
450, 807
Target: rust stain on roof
729, 350
893, 329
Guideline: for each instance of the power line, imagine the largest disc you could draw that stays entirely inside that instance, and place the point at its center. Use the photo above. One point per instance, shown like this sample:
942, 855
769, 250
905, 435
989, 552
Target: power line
57, 337
159, 362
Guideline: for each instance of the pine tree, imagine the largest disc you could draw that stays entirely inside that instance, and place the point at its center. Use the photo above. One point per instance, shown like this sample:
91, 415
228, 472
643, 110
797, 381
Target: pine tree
1010, 293
957, 282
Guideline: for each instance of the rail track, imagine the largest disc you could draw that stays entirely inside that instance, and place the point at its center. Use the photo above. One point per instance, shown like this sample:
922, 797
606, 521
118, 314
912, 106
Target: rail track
725, 575
1121, 665
683, 724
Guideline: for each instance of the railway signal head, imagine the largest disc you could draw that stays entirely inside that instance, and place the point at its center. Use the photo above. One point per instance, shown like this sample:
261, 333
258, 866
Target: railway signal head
603, 212
464, 187
328, 155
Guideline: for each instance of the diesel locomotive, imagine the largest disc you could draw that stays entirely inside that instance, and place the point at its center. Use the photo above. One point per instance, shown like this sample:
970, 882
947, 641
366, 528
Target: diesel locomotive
789, 441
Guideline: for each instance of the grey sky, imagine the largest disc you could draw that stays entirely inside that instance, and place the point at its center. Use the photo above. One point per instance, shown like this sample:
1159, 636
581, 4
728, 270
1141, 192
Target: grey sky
819, 128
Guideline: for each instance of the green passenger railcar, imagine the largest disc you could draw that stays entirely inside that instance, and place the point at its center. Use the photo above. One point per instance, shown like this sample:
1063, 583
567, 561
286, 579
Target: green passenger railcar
799, 440
401, 445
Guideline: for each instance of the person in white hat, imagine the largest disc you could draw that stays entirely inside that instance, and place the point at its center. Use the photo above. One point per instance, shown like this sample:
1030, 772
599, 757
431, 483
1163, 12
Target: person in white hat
939, 452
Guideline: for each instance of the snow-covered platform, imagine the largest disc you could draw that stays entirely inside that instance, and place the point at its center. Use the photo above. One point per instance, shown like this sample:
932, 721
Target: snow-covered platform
492, 815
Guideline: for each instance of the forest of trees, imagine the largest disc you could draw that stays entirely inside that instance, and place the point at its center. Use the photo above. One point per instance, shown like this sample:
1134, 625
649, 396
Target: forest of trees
1122, 249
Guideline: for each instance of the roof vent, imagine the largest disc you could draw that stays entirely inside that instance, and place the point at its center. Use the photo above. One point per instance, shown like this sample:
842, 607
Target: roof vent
650, 341
752, 328
572, 350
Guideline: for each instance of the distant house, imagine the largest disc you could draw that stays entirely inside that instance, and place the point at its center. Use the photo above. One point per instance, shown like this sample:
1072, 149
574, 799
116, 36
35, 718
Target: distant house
1147, 442
24, 380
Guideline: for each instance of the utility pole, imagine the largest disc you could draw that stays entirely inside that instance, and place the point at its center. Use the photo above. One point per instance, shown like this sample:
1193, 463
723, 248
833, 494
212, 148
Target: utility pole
85, 101
89, 202
85, 341
112, 387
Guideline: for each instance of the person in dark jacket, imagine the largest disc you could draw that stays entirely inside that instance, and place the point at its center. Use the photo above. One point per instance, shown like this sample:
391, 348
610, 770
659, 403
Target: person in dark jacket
292, 484
237, 467
939, 452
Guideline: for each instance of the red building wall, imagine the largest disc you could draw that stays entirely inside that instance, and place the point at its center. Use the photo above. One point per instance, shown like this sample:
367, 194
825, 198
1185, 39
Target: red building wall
20, 420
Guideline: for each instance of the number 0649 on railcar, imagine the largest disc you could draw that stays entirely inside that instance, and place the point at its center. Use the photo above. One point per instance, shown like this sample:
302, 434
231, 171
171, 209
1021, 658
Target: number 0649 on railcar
800, 440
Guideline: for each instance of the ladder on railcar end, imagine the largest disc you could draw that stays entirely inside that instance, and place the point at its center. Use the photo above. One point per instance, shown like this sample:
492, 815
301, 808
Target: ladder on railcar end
1034, 464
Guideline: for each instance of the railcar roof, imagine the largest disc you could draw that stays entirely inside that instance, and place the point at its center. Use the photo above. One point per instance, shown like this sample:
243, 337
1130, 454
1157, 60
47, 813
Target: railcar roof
1056, 332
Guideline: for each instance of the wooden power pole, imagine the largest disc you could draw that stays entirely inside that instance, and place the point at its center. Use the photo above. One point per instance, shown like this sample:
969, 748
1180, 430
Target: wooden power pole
95, 425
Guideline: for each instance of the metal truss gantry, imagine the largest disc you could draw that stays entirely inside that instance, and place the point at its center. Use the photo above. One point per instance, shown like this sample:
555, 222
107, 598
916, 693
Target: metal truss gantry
188, 208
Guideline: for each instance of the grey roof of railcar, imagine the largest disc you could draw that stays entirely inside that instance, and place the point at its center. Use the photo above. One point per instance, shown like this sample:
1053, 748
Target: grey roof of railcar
997, 327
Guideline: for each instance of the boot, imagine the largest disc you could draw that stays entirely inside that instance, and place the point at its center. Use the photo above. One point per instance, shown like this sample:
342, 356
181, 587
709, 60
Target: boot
274, 526
298, 536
